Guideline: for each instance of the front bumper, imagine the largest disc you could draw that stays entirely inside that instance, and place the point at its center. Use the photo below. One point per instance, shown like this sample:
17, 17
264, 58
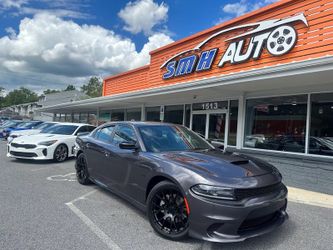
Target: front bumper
234, 221
38, 153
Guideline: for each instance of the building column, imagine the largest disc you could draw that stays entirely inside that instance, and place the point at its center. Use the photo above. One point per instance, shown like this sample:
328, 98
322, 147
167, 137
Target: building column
143, 112
240, 122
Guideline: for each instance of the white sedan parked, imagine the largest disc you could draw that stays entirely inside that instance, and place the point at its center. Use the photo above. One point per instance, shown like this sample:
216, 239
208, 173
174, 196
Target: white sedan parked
55, 143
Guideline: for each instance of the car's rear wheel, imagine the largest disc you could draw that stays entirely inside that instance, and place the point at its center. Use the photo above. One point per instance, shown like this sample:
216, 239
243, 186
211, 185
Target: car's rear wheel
81, 168
60, 153
167, 211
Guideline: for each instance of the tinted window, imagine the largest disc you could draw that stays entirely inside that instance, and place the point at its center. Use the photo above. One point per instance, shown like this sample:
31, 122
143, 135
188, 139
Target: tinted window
104, 134
61, 129
124, 134
45, 125
162, 138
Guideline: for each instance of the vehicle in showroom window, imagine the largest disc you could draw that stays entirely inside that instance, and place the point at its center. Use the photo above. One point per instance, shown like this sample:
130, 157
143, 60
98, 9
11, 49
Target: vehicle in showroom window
34, 131
55, 143
186, 186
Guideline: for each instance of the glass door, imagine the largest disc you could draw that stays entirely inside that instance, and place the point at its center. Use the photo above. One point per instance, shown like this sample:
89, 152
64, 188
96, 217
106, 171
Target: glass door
216, 129
199, 124
211, 125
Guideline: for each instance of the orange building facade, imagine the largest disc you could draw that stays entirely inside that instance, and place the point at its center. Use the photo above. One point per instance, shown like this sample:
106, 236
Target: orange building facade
260, 82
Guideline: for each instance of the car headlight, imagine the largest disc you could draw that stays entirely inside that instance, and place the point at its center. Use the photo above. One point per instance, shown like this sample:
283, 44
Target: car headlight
47, 143
214, 192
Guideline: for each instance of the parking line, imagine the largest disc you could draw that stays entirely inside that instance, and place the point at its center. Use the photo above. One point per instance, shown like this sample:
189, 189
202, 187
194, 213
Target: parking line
310, 198
93, 227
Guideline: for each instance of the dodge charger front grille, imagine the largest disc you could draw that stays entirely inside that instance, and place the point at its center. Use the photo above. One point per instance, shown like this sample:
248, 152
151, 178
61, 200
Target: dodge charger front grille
26, 146
250, 192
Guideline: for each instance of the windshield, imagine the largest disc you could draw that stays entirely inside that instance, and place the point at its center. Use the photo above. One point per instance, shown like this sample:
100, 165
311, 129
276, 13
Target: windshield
61, 129
163, 138
25, 124
44, 125
11, 124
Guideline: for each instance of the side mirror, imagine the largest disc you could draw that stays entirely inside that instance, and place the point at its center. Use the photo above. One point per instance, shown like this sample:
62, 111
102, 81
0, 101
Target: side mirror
83, 133
128, 145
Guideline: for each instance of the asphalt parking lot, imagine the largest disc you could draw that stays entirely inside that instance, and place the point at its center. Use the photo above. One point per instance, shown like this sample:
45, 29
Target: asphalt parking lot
43, 207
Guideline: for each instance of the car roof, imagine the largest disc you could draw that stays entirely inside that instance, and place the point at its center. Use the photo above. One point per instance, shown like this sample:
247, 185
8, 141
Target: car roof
141, 123
74, 124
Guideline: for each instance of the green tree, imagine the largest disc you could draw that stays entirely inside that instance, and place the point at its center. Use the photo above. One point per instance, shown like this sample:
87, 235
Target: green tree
18, 96
70, 87
2, 91
93, 88
50, 91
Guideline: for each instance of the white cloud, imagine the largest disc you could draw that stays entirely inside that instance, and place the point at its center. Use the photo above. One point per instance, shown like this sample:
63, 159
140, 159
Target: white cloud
6, 4
60, 8
48, 47
244, 6
143, 16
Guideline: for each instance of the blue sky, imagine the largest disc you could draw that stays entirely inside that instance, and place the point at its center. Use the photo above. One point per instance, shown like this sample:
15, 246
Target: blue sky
52, 43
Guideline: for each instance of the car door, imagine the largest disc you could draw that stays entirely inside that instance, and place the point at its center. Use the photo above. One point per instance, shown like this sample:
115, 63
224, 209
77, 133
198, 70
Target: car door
96, 150
121, 161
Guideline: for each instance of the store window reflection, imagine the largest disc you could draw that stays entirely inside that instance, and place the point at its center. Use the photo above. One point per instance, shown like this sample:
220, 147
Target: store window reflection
174, 114
233, 117
321, 128
153, 114
276, 123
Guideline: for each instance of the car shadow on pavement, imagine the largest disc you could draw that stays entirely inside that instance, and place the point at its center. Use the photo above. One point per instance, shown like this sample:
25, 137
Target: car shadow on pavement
139, 212
40, 162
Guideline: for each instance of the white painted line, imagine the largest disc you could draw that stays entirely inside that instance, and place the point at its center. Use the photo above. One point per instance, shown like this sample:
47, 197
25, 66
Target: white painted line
66, 177
93, 227
83, 196
310, 198
37, 169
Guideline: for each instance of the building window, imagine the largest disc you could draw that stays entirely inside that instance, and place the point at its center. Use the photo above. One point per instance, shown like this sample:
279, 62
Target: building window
117, 115
56, 117
276, 123
76, 117
104, 117
83, 118
68, 118
174, 114
233, 115
133, 114
187, 115
92, 118
321, 128
153, 114
62, 118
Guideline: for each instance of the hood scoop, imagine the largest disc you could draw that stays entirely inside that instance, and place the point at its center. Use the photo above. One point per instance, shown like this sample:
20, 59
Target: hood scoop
240, 162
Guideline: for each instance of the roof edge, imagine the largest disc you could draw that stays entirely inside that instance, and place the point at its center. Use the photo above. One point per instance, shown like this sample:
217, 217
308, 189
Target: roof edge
126, 72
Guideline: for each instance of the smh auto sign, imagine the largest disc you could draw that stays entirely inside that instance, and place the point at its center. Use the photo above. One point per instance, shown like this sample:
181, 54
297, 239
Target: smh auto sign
277, 36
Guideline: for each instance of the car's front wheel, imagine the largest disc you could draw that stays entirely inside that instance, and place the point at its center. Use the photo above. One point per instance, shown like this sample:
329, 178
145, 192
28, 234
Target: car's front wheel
81, 168
168, 211
60, 153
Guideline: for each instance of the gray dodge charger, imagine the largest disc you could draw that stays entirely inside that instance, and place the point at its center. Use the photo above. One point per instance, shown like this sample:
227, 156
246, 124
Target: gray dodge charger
185, 185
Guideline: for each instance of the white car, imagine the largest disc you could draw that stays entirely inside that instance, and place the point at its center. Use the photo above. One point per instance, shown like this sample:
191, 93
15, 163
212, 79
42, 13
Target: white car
36, 130
56, 143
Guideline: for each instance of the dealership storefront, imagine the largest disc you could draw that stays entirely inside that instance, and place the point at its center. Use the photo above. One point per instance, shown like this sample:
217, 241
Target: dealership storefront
261, 82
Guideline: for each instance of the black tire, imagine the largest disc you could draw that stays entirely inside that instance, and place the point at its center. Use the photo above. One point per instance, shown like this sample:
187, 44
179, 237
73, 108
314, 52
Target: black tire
81, 168
60, 153
167, 212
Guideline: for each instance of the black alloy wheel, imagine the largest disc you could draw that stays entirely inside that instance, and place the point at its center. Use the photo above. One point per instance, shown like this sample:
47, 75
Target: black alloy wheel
60, 153
168, 211
81, 168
